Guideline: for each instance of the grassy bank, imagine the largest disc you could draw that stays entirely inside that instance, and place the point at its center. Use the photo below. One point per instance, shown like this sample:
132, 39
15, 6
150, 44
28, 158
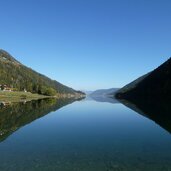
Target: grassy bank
17, 96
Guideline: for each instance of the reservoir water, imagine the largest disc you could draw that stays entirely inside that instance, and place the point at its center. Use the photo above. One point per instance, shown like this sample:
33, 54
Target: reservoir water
84, 135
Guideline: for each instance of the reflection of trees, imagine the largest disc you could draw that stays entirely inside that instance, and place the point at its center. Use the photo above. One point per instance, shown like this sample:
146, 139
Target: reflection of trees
158, 110
16, 115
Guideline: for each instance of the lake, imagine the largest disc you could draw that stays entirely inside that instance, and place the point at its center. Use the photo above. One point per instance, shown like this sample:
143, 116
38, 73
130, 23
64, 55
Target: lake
84, 135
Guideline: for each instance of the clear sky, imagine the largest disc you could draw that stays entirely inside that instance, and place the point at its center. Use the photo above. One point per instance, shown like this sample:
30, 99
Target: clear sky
87, 44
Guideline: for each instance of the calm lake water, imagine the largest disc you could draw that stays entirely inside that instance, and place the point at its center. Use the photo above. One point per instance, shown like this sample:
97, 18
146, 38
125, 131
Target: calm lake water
84, 135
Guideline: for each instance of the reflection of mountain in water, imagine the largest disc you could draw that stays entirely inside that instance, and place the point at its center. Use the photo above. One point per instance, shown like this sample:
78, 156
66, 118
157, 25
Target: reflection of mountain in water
104, 99
158, 110
16, 115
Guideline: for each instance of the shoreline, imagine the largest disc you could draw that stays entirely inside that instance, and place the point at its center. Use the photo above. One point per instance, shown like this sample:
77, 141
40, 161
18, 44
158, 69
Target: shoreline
19, 96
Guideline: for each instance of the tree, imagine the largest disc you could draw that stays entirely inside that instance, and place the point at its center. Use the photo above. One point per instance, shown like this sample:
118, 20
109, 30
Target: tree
48, 91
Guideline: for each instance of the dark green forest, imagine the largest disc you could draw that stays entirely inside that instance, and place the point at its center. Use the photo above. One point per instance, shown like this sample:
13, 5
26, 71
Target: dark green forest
154, 85
20, 78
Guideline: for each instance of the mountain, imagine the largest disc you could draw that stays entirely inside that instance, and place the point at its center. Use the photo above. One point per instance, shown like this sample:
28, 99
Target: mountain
103, 92
154, 85
19, 77
87, 92
132, 85
104, 95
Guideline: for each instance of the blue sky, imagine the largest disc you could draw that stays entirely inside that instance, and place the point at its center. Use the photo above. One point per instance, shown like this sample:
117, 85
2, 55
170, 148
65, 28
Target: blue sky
88, 44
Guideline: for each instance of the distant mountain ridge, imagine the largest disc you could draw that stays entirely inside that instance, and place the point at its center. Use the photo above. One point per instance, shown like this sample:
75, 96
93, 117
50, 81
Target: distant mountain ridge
87, 92
18, 76
156, 84
104, 92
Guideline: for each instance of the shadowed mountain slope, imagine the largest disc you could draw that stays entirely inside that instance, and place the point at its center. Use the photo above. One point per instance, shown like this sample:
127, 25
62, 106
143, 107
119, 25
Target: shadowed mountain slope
156, 84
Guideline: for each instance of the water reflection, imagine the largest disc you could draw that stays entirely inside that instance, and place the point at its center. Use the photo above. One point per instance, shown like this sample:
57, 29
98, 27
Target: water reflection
15, 115
86, 136
158, 110
104, 99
